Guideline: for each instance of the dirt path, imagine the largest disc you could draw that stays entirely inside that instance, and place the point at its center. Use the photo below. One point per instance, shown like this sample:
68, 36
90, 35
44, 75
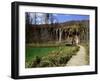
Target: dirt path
79, 59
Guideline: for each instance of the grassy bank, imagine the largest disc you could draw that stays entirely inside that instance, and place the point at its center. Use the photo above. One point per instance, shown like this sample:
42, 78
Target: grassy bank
49, 56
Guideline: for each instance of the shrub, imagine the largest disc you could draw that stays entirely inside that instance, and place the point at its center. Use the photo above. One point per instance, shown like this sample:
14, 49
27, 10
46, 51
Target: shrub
51, 60
28, 65
36, 61
63, 59
76, 49
46, 63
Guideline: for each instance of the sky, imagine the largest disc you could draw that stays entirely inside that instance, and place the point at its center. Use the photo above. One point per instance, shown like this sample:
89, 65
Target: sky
71, 17
58, 17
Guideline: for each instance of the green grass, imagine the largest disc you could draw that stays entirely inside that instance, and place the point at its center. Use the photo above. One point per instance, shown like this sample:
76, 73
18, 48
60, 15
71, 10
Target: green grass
49, 56
31, 52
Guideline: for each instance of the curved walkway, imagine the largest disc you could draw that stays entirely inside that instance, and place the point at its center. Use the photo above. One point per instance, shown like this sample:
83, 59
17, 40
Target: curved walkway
79, 59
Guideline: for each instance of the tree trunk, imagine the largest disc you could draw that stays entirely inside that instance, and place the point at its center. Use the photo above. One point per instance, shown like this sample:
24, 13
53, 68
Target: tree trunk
60, 35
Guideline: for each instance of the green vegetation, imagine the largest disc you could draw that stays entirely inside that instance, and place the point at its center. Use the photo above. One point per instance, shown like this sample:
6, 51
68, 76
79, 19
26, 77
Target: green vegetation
38, 51
49, 56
